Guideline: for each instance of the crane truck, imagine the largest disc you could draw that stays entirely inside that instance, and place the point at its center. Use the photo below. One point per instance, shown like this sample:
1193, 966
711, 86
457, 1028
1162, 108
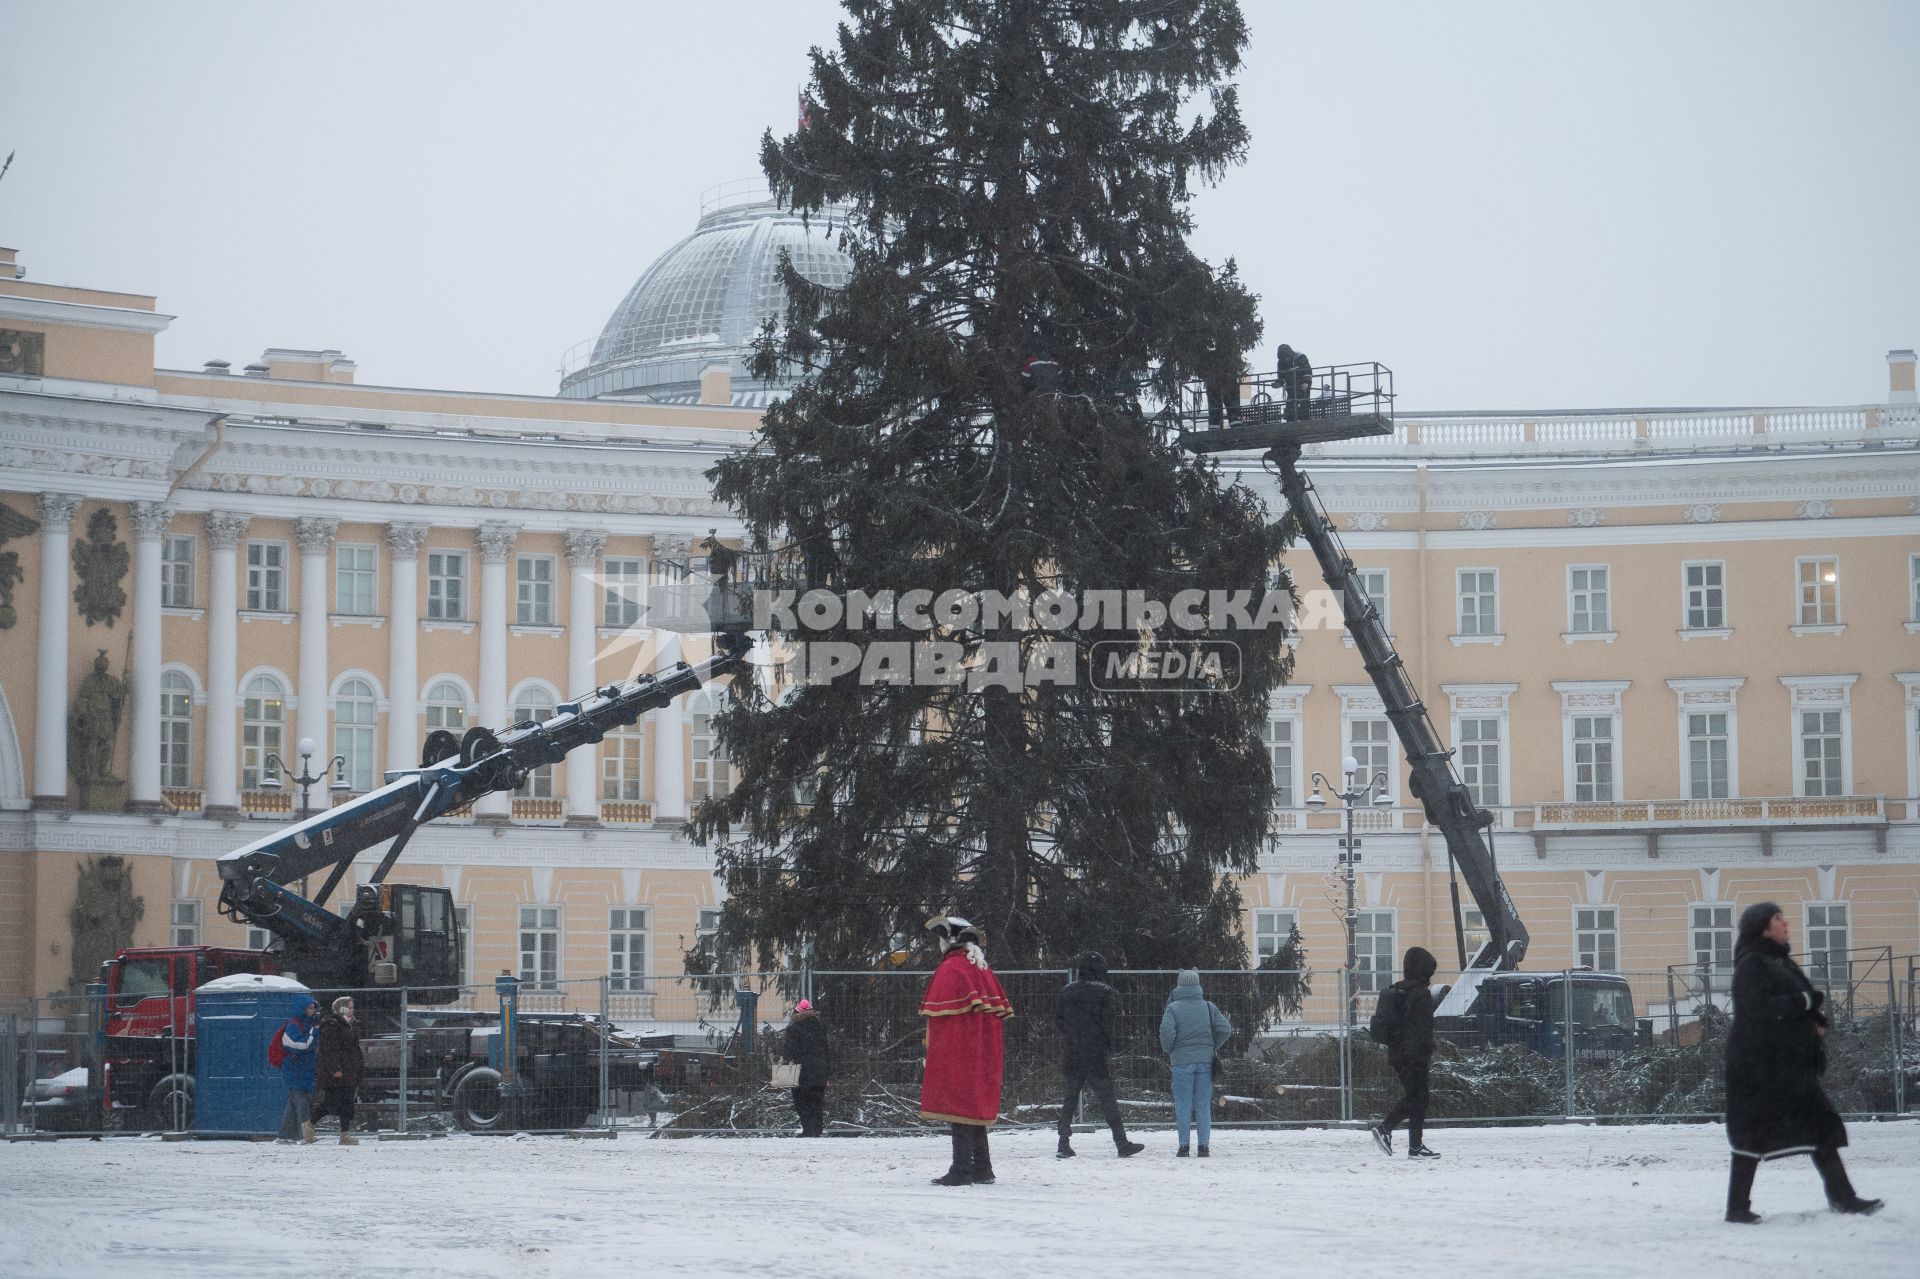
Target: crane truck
1492, 1002
395, 936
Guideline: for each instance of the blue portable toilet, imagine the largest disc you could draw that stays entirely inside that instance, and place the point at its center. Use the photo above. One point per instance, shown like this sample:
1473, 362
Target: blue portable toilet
236, 1093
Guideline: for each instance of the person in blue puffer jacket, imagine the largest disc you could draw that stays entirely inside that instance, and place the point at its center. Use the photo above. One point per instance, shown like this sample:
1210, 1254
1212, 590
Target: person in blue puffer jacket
301, 1040
1191, 1032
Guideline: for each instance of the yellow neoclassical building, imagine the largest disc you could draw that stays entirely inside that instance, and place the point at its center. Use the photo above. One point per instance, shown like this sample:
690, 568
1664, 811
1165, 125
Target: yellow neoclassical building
1677, 651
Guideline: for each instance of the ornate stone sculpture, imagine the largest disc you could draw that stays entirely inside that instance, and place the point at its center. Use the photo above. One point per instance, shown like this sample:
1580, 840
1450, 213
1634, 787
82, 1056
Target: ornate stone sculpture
92, 728
100, 563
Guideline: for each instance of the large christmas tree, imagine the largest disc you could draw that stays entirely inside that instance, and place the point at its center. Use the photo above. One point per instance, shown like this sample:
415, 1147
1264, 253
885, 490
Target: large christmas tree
979, 416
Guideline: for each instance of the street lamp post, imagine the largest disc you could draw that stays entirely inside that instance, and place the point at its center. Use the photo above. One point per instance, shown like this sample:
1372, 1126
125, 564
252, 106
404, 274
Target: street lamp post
271, 770
1350, 794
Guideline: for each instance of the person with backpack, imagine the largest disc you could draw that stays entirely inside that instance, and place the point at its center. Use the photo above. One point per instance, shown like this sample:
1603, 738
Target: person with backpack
294, 1050
340, 1066
1403, 1021
1084, 1014
1192, 1032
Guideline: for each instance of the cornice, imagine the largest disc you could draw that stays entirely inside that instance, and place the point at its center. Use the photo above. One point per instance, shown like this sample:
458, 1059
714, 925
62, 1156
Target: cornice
85, 315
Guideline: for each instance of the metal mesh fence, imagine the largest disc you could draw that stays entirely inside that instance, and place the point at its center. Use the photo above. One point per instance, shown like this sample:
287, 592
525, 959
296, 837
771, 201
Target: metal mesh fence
693, 1054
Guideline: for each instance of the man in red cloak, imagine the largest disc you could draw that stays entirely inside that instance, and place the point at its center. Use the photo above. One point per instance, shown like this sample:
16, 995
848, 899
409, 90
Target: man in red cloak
964, 1006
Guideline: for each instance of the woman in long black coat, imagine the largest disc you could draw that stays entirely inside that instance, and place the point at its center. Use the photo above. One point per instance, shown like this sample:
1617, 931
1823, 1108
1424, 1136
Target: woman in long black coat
1776, 1053
806, 1043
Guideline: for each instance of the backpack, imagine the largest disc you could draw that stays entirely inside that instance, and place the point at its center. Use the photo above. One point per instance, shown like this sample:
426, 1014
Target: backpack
1389, 1016
277, 1048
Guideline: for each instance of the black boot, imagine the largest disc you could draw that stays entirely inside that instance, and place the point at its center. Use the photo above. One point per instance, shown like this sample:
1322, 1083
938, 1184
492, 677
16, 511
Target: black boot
961, 1173
1127, 1149
1065, 1150
1840, 1194
982, 1163
1740, 1191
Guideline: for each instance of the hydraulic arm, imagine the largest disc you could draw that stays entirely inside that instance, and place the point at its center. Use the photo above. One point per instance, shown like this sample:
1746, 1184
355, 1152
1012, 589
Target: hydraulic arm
400, 926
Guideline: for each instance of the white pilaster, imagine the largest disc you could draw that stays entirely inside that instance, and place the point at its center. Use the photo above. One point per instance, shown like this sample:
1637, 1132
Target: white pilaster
222, 780
149, 525
316, 540
50, 691
403, 644
496, 544
584, 546
669, 744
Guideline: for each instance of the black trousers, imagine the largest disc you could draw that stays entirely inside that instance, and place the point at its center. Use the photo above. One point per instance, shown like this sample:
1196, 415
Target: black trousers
1411, 1109
810, 1103
337, 1100
1102, 1085
1826, 1159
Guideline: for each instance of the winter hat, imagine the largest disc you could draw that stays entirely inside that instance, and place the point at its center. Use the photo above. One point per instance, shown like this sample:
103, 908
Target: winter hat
1189, 977
1092, 966
1754, 921
804, 1006
343, 1003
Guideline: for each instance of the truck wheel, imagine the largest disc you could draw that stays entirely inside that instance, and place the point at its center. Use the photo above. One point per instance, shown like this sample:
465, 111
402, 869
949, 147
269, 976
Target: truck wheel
476, 1100
170, 1104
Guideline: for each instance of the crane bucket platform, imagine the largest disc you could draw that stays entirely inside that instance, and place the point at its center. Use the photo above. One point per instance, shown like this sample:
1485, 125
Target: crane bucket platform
1333, 402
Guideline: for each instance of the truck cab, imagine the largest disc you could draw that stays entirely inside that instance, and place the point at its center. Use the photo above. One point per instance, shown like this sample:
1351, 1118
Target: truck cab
150, 988
1530, 1009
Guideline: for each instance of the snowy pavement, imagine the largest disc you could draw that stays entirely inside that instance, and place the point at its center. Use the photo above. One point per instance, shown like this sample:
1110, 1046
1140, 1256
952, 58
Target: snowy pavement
1561, 1201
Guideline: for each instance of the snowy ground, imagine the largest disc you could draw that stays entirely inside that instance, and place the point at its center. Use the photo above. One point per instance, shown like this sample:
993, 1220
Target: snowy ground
1556, 1201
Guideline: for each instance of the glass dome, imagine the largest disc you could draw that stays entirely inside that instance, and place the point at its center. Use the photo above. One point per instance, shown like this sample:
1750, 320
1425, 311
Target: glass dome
703, 302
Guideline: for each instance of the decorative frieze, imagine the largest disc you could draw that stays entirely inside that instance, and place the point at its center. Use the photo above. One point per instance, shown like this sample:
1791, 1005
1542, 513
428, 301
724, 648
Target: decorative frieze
1816, 508
1366, 522
1478, 521
1586, 517
1702, 513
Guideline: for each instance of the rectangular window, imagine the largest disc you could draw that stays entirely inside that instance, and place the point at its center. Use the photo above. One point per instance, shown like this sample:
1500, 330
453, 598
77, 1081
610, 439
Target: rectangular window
1374, 953
353, 579
1479, 613
1369, 741
1372, 583
1473, 922
1913, 588
623, 578
1819, 585
1279, 739
620, 765
627, 949
540, 946
1593, 759
1827, 943
447, 586
266, 577
1271, 931
176, 731
186, 924
1596, 937
259, 939
1707, 771
1588, 610
1479, 741
176, 572
1706, 604
533, 590
1713, 939
706, 931
1821, 760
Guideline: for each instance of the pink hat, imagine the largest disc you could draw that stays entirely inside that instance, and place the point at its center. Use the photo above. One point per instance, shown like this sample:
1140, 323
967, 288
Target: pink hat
804, 1006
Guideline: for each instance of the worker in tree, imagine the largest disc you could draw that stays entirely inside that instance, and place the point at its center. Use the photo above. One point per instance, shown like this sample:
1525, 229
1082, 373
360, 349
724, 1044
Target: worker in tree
1404, 1022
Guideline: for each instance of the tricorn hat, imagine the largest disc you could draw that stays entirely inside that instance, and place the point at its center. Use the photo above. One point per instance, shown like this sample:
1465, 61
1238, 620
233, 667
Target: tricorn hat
953, 930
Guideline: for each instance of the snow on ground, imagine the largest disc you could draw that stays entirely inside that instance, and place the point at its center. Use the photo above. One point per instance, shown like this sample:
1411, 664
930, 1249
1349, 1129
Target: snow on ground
1561, 1201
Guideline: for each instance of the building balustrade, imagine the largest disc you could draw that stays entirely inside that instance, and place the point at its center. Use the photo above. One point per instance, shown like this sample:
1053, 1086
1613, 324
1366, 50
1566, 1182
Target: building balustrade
1825, 810
266, 803
625, 812
181, 800
537, 810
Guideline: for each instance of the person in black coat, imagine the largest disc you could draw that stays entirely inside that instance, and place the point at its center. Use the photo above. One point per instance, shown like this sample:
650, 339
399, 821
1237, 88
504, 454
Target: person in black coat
1084, 1014
1411, 1053
805, 1041
1776, 1053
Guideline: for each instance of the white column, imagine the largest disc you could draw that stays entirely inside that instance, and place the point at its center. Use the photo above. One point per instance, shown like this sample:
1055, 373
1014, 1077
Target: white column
222, 780
316, 540
50, 691
583, 595
403, 644
669, 745
496, 544
149, 525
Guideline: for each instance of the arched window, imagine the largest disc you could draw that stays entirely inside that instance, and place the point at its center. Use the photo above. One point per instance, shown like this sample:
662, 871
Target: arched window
535, 704
446, 708
712, 770
620, 757
353, 720
176, 730
263, 721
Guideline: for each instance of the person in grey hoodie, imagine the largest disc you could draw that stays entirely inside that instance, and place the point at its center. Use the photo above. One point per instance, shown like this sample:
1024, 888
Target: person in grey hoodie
1191, 1032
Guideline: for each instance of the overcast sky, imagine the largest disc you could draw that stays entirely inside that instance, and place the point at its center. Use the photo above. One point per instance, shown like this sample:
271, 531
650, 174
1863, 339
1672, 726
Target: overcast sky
1513, 205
